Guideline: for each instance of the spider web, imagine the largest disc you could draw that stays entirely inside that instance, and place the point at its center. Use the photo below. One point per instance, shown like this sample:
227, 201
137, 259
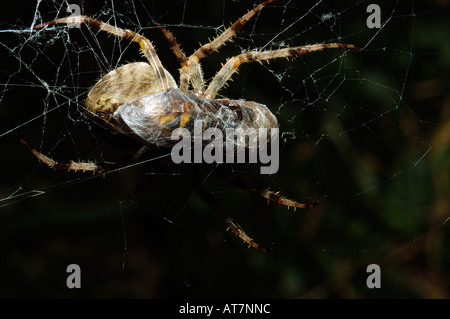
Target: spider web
364, 133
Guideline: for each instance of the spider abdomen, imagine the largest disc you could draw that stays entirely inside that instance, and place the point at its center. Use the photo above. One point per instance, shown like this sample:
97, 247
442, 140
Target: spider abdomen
153, 118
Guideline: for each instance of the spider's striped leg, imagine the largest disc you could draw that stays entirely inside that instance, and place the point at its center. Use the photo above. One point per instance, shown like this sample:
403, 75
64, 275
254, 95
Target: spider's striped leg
272, 196
193, 70
70, 166
176, 49
233, 63
281, 200
235, 227
80, 166
182, 59
145, 44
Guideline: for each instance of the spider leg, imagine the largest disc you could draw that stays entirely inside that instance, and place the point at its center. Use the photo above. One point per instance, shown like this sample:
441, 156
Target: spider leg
272, 196
146, 46
74, 166
235, 227
233, 63
79, 166
192, 71
182, 59
281, 200
174, 45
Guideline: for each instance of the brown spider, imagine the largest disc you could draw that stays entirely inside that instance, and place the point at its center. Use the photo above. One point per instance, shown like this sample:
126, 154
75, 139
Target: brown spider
142, 99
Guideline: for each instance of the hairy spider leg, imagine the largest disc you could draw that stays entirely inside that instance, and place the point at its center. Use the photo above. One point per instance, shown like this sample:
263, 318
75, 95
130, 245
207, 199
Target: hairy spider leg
232, 225
281, 200
146, 46
233, 63
176, 49
82, 166
271, 195
192, 72
70, 166
182, 59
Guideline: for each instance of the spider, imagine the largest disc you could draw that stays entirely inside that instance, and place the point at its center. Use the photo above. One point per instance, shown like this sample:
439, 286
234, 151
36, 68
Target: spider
142, 99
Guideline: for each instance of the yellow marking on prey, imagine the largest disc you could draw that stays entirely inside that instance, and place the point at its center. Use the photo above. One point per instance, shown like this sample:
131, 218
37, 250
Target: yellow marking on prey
164, 119
184, 119
206, 124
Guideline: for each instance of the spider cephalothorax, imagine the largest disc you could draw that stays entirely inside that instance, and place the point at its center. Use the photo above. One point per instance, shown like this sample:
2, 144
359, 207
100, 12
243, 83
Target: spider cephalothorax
143, 99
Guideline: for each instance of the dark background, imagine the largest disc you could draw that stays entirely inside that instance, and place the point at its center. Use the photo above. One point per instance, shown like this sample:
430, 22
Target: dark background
367, 136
